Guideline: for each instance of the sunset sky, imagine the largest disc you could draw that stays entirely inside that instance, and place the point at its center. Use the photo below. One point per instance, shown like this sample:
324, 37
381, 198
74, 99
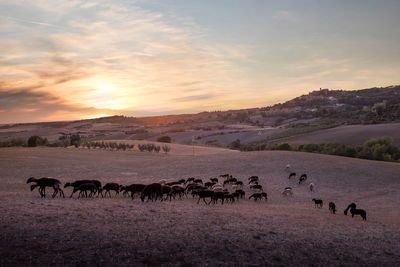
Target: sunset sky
67, 60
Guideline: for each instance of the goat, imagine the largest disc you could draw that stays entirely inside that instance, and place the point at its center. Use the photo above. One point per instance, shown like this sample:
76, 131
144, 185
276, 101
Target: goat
111, 186
198, 181
217, 187
352, 205
293, 174
287, 168
318, 202
194, 186
256, 187
191, 179
311, 187
177, 190
229, 196
239, 184
173, 183
203, 194
152, 191
355, 211
253, 179
259, 196
83, 188
287, 192
214, 180
302, 178
332, 207
240, 193
209, 184
166, 190
218, 195
133, 189
44, 182
360, 212
225, 176
78, 183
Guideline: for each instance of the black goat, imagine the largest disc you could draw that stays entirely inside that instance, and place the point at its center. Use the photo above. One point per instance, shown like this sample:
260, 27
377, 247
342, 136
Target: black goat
214, 180
302, 178
152, 191
198, 181
191, 179
209, 184
44, 182
293, 174
133, 189
253, 179
354, 211
259, 196
318, 202
111, 186
256, 187
177, 191
332, 207
360, 212
83, 188
78, 183
203, 194
229, 196
218, 195
173, 183
352, 205
240, 193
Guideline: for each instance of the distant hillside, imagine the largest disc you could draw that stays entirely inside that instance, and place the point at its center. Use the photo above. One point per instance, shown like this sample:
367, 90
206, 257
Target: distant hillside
368, 106
318, 110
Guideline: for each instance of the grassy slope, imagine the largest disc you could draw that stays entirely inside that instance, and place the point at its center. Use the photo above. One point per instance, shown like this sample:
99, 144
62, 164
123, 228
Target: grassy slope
350, 134
289, 232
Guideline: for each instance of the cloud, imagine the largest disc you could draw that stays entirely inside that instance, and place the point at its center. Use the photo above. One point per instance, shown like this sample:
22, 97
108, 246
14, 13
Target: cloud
193, 98
285, 15
117, 57
32, 22
27, 105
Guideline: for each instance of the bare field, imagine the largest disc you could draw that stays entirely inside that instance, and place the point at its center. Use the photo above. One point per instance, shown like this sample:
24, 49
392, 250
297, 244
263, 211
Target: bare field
121, 231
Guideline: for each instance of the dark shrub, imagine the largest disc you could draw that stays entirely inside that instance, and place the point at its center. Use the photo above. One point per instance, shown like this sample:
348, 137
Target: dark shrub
75, 140
235, 144
283, 146
37, 141
166, 148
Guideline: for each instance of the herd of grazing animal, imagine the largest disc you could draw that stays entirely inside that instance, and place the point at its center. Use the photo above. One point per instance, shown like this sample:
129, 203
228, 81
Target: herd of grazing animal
318, 203
211, 191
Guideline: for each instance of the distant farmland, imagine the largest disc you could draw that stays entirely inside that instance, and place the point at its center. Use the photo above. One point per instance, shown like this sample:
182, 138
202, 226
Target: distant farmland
349, 134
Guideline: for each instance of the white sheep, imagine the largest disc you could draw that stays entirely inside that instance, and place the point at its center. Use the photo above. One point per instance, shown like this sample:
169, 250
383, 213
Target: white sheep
312, 187
287, 192
217, 187
288, 167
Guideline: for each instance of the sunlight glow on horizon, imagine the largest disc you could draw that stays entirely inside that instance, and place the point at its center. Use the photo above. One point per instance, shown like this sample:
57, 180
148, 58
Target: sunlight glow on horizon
73, 59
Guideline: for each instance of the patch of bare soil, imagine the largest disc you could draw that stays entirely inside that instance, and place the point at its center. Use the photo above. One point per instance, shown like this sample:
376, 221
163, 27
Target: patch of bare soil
121, 231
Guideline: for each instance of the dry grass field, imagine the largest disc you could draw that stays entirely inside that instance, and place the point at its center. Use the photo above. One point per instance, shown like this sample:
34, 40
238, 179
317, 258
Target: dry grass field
349, 134
120, 231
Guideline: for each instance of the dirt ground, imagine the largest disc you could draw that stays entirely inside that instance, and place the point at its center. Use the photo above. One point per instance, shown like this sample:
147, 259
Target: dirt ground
120, 231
